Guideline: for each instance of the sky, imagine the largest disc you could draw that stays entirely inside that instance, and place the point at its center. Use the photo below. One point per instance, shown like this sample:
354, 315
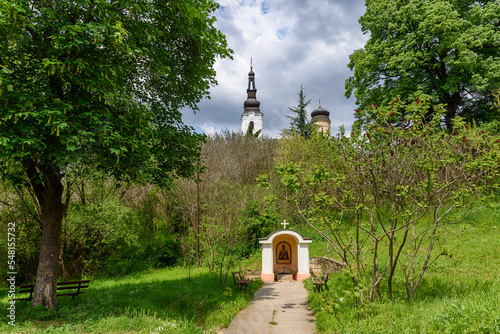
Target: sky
290, 42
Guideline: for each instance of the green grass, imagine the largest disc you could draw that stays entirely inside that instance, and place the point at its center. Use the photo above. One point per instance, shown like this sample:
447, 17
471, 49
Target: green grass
460, 293
157, 301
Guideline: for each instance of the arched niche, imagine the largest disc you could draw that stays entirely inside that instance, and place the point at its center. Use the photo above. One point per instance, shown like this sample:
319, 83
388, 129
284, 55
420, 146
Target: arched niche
285, 251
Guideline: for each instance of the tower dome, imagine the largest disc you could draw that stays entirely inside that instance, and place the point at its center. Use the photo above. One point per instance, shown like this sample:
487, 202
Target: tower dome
251, 103
320, 112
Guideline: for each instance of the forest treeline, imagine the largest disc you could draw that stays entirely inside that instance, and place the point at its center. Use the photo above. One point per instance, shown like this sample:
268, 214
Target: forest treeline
111, 228
392, 185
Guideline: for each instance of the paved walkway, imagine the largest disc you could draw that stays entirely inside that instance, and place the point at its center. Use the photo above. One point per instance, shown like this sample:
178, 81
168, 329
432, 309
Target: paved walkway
288, 302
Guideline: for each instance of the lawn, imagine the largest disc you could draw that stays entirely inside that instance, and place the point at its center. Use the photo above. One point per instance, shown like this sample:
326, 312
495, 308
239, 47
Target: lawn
157, 301
460, 293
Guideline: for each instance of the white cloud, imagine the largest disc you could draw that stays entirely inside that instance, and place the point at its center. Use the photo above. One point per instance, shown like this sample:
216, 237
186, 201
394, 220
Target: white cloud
207, 129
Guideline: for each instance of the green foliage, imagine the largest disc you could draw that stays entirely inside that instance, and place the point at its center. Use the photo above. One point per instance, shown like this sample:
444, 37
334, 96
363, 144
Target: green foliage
82, 80
109, 222
166, 253
250, 132
447, 49
161, 252
394, 185
306, 153
107, 231
95, 232
497, 98
261, 222
20, 211
228, 220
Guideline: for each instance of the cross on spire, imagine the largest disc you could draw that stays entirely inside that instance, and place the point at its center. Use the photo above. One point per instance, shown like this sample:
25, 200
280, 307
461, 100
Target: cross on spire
285, 224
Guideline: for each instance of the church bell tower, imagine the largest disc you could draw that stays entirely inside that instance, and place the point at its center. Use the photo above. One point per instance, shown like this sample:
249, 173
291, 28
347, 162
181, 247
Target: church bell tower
321, 119
251, 117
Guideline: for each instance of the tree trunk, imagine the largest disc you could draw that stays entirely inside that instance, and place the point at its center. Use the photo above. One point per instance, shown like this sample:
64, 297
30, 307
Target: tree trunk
395, 262
375, 282
48, 263
392, 265
451, 106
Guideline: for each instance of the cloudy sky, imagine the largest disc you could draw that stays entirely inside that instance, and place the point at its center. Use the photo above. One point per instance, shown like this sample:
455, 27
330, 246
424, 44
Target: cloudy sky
291, 42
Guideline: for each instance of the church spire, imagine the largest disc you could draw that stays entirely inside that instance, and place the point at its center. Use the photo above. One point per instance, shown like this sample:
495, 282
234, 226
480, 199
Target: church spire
251, 91
251, 119
251, 102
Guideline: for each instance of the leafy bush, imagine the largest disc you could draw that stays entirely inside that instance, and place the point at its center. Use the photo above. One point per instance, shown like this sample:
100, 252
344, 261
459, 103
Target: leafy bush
18, 210
93, 233
162, 252
165, 252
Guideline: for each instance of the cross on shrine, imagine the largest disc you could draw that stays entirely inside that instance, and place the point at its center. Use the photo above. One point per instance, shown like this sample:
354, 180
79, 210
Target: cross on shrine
285, 224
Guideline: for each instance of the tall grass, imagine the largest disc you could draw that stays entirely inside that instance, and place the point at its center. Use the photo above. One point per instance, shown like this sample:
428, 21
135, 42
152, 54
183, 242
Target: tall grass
157, 301
460, 293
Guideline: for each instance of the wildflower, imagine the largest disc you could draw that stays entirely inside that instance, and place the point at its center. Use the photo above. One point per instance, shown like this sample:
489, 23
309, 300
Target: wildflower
341, 299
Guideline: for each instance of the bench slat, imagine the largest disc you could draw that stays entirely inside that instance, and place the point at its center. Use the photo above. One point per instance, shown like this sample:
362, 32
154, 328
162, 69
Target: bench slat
73, 282
69, 285
25, 291
320, 282
240, 279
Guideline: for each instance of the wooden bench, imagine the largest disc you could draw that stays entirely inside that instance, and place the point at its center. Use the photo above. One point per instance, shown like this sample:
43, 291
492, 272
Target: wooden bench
320, 282
240, 279
75, 286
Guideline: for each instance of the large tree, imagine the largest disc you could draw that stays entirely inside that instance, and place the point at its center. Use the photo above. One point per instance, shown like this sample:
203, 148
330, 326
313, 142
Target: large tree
449, 49
99, 83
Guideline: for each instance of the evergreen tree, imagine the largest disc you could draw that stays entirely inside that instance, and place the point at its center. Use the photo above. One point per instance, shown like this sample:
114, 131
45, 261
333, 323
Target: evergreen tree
250, 131
300, 122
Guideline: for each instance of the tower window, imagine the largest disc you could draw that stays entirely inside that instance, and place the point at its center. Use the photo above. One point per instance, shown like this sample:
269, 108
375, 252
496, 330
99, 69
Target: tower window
251, 125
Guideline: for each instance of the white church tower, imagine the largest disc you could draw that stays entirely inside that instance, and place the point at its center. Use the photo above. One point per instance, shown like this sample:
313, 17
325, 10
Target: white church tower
251, 117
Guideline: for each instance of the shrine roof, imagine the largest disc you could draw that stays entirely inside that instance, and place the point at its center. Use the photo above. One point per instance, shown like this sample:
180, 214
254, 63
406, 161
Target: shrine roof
272, 235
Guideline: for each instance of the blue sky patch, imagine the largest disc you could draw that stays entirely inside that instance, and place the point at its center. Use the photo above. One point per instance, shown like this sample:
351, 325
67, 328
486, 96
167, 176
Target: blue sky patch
282, 34
264, 7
